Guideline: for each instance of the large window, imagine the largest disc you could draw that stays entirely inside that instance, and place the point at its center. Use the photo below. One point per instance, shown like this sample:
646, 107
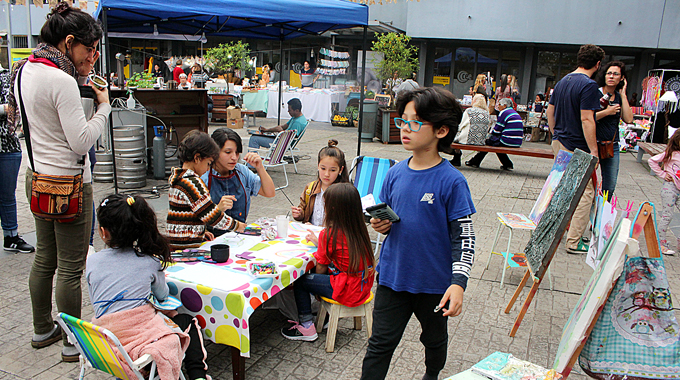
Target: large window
442, 68
552, 66
464, 71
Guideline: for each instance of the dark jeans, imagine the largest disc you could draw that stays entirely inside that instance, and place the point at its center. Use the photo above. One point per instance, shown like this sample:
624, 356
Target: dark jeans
194, 357
610, 171
9, 171
391, 313
61, 249
311, 283
502, 157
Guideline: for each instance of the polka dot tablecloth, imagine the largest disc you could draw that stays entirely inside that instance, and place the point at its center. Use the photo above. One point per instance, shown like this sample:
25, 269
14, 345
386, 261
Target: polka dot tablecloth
224, 296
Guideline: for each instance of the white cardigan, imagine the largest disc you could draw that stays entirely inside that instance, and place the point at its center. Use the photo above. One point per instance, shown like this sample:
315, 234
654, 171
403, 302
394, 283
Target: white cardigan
60, 134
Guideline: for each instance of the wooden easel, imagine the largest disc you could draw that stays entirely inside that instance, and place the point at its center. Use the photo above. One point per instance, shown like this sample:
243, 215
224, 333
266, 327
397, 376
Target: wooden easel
644, 222
550, 254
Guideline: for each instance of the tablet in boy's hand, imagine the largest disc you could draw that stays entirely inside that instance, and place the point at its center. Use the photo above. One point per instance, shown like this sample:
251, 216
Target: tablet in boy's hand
384, 212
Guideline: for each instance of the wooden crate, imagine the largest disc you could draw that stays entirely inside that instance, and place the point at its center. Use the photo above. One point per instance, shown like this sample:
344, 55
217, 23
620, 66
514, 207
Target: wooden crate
385, 130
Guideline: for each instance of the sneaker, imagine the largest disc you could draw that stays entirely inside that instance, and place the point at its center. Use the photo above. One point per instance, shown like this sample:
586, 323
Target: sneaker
470, 164
580, 248
455, 162
70, 354
53, 337
667, 251
17, 244
297, 332
506, 168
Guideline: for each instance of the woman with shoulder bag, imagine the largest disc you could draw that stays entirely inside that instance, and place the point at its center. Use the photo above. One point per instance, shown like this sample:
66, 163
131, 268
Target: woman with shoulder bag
614, 107
58, 137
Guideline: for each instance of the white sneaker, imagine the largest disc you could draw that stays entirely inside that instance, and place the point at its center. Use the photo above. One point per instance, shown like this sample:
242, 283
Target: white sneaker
667, 251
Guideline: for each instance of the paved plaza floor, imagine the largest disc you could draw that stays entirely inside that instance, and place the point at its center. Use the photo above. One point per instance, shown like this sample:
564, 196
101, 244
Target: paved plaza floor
481, 329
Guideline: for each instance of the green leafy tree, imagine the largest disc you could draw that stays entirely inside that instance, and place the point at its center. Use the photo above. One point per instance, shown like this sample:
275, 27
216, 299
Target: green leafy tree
228, 57
399, 56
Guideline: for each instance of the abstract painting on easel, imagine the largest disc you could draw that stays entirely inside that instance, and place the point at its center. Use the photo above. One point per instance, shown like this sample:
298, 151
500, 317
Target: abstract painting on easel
560, 165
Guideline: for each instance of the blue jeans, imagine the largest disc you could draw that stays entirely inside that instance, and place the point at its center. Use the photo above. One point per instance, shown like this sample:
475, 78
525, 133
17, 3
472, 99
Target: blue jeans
610, 171
260, 141
9, 171
311, 283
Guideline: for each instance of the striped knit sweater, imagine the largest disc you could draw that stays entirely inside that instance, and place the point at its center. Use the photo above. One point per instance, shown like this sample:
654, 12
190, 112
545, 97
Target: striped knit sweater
191, 209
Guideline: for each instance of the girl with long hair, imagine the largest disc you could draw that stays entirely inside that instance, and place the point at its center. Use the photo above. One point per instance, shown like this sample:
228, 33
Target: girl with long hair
345, 263
667, 166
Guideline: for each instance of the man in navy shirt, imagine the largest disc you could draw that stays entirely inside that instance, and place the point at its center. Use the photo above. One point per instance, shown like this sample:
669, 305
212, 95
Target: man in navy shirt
571, 118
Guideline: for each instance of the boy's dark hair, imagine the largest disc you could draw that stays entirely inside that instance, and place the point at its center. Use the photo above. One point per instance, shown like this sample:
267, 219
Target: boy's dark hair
197, 142
64, 20
222, 135
334, 152
132, 224
589, 55
295, 104
437, 106
601, 76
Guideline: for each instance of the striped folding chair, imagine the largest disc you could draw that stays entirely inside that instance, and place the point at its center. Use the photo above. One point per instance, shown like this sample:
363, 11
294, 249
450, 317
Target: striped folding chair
277, 150
293, 145
94, 344
369, 174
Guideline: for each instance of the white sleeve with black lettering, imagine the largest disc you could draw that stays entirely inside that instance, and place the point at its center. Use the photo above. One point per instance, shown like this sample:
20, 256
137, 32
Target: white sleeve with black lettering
462, 236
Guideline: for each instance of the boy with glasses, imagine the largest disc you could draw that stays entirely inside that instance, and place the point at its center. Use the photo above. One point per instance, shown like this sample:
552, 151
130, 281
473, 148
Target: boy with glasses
427, 256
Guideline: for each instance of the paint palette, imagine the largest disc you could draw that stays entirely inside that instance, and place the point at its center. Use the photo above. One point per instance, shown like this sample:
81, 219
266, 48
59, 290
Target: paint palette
188, 255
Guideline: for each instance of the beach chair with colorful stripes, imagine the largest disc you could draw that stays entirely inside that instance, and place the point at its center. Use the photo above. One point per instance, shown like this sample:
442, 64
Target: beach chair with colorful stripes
95, 346
369, 174
277, 150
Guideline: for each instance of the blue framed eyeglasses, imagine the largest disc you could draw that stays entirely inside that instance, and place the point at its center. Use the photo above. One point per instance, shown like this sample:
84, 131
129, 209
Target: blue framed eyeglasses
413, 125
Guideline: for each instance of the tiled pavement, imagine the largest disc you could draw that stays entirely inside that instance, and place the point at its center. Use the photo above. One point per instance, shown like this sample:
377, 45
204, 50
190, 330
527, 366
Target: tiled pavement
481, 329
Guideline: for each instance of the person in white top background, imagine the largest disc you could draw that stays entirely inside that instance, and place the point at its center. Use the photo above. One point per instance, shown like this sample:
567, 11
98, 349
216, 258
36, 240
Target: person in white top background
60, 136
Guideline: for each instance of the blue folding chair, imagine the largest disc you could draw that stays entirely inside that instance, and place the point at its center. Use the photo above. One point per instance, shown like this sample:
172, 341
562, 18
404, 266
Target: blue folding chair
369, 174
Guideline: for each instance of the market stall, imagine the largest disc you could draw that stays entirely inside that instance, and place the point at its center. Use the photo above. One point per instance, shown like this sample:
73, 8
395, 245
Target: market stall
316, 104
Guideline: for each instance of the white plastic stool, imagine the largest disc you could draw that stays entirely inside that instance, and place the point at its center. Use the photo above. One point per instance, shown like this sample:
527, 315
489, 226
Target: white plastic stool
512, 260
337, 311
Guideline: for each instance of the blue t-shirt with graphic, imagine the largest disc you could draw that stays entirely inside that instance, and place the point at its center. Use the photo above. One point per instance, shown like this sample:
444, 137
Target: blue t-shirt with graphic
243, 185
573, 93
416, 255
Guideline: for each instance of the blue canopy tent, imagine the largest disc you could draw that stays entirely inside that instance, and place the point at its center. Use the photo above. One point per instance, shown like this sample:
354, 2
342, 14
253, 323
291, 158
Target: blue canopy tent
266, 19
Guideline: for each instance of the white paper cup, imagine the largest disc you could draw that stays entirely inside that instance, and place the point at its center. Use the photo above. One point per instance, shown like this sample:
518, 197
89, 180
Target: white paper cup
282, 226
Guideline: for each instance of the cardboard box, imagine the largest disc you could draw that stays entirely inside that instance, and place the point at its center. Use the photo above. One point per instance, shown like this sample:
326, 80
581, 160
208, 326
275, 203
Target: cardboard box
235, 123
233, 113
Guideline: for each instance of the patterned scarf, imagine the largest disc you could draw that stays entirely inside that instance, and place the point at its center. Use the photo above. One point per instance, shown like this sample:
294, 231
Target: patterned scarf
42, 52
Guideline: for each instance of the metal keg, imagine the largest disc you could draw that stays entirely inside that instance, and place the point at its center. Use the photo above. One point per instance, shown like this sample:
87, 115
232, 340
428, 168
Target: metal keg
103, 168
129, 141
131, 172
130, 148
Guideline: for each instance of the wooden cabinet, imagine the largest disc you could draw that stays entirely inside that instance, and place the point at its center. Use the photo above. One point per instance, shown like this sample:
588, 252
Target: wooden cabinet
184, 110
385, 130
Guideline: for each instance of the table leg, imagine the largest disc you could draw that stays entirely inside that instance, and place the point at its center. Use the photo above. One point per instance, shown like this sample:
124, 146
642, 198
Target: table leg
238, 364
639, 155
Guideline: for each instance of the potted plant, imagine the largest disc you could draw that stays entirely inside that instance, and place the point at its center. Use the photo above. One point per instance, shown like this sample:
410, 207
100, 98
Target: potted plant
228, 57
398, 57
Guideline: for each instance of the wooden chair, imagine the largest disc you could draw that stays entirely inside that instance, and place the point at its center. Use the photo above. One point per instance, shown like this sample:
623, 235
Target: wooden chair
94, 344
336, 311
277, 150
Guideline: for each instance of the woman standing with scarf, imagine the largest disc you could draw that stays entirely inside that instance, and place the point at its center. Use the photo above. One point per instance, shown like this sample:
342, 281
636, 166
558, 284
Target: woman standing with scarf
60, 137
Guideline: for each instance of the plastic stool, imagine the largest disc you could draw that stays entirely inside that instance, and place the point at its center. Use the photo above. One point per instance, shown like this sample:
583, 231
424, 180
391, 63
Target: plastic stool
337, 311
512, 260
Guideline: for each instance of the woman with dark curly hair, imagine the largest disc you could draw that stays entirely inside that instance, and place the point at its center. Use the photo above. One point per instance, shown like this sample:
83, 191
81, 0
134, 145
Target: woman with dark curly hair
614, 107
60, 137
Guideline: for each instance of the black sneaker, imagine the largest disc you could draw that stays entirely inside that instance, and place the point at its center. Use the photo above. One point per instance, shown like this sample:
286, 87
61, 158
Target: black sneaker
17, 244
298, 332
470, 164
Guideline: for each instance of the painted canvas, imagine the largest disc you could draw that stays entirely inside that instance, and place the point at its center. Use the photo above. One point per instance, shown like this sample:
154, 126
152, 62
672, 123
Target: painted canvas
549, 230
517, 221
550, 185
594, 295
605, 219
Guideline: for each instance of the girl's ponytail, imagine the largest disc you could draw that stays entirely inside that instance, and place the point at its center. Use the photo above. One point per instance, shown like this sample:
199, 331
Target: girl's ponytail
131, 223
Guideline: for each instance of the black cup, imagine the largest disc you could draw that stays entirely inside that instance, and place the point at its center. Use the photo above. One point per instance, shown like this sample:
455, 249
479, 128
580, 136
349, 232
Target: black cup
219, 253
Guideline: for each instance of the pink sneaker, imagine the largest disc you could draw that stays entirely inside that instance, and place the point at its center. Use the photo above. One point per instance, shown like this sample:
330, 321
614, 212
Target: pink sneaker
298, 332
